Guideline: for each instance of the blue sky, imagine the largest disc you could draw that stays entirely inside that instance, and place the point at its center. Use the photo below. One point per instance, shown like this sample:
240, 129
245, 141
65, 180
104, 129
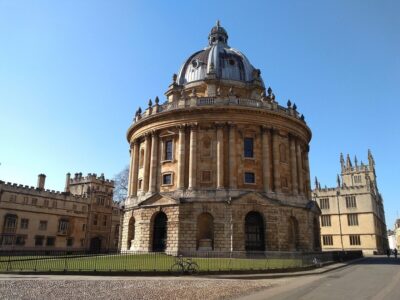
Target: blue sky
73, 73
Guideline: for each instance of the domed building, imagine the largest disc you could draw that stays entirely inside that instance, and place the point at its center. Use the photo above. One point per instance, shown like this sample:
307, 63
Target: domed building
220, 166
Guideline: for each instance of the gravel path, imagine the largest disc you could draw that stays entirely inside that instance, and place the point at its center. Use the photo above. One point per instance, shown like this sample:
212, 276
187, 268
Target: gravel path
136, 288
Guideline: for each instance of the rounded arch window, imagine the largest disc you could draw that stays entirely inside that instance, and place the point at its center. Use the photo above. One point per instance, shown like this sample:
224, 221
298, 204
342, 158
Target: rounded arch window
205, 231
293, 234
131, 232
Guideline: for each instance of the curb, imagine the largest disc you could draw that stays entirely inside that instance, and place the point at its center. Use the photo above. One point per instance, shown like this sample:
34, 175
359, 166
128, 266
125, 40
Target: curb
317, 271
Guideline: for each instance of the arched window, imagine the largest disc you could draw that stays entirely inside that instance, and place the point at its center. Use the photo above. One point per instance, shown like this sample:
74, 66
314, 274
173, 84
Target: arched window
282, 152
254, 232
160, 232
205, 232
293, 234
131, 232
141, 158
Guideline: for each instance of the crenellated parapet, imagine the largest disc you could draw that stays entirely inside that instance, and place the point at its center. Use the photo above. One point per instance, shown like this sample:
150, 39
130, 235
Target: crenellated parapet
32, 191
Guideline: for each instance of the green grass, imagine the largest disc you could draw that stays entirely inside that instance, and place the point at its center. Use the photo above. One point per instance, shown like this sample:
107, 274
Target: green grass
137, 262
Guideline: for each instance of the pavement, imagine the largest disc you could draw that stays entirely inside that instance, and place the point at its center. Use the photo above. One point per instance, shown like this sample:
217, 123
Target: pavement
375, 278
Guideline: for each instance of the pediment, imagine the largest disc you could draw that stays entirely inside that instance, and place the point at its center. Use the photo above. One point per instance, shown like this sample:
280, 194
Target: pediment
158, 199
255, 198
313, 206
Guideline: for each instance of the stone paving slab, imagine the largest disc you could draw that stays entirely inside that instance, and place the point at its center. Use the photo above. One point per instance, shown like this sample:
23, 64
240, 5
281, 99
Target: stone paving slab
138, 288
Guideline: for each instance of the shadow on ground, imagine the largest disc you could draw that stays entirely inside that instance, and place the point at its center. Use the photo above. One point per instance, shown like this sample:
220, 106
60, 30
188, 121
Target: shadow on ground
379, 260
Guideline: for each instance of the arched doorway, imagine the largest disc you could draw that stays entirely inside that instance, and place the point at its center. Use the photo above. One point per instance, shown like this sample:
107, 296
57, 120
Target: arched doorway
95, 244
293, 234
205, 232
254, 232
160, 232
131, 232
317, 235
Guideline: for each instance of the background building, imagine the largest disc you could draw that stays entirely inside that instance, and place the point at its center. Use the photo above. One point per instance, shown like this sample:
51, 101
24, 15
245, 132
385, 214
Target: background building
220, 165
352, 214
82, 217
391, 236
397, 233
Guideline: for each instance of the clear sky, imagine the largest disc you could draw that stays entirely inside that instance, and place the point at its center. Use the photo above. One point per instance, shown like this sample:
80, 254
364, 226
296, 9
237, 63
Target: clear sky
73, 73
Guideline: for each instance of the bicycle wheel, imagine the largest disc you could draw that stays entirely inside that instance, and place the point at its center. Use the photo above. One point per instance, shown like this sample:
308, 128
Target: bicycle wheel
192, 268
177, 269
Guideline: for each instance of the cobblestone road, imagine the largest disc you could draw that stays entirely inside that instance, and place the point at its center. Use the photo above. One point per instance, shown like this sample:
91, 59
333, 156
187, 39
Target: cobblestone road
21, 287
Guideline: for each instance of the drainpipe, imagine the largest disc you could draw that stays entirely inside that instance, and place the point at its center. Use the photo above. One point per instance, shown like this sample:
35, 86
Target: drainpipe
340, 222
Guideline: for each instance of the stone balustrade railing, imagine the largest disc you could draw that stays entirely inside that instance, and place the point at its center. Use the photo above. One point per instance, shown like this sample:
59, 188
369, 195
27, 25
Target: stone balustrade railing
217, 101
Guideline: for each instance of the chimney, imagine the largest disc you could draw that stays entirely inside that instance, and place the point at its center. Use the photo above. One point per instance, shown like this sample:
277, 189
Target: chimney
40, 182
67, 179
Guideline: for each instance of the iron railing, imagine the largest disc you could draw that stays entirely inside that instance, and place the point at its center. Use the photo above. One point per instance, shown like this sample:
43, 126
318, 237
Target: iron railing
84, 261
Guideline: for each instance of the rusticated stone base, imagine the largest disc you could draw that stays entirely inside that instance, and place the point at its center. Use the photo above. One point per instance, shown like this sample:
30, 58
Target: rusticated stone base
190, 223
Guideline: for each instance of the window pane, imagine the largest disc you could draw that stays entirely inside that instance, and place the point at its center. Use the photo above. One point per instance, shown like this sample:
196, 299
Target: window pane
168, 150
248, 147
167, 179
249, 177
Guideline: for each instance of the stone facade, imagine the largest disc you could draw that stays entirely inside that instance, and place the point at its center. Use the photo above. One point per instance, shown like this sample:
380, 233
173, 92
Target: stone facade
220, 165
43, 219
353, 216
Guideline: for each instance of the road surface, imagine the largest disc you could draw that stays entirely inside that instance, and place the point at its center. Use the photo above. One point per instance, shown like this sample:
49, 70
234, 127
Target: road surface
373, 278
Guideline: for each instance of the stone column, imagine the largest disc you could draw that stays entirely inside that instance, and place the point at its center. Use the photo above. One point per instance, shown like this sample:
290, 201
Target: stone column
181, 158
276, 160
265, 157
220, 156
146, 163
232, 157
153, 163
133, 169
293, 164
131, 153
308, 171
193, 157
299, 168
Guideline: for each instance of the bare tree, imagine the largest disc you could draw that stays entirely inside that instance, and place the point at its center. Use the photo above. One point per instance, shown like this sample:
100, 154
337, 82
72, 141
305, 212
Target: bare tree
121, 185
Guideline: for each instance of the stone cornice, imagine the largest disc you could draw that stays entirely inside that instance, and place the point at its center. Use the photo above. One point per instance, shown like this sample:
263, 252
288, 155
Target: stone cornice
247, 115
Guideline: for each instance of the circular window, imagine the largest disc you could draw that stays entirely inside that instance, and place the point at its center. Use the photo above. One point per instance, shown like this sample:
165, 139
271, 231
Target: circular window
231, 62
195, 63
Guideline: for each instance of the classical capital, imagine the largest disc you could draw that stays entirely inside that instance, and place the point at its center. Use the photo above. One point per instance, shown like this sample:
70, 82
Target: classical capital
193, 126
181, 127
265, 129
219, 125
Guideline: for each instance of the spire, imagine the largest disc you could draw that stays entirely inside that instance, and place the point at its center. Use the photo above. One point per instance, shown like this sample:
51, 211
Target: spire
316, 183
371, 159
355, 161
348, 162
342, 161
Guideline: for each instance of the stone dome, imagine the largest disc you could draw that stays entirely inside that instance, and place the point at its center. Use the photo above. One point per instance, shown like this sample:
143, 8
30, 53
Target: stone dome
218, 61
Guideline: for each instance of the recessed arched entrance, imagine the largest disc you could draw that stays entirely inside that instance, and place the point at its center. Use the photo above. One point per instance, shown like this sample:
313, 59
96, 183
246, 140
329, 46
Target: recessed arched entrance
317, 235
293, 234
95, 244
254, 232
160, 232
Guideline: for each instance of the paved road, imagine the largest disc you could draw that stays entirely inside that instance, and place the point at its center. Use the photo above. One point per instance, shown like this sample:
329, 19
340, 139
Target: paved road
373, 278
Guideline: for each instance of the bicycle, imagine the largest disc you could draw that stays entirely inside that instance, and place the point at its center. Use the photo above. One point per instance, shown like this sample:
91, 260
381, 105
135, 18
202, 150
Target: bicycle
184, 266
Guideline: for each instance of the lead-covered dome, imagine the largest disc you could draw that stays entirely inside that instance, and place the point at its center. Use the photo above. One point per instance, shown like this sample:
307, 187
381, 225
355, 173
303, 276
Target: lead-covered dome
218, 61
